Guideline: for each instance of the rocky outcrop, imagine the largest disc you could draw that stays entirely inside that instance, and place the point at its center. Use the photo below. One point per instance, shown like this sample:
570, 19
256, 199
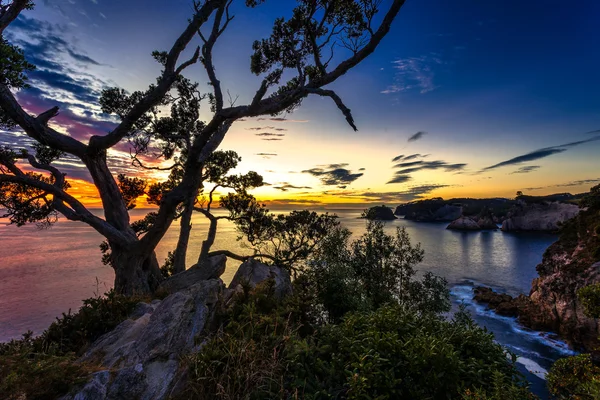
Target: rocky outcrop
213, 268
502, 303
539, 217
141, 357
252, 272
464, 224
568, 265
380, 213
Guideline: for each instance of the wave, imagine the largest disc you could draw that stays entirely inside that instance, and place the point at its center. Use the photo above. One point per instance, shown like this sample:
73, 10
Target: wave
463, 294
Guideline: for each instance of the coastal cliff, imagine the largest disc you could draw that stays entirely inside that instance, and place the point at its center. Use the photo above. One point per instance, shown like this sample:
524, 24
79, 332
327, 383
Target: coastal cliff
539, 216
569, 265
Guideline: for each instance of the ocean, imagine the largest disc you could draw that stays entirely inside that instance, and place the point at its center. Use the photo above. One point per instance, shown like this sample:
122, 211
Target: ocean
44, 273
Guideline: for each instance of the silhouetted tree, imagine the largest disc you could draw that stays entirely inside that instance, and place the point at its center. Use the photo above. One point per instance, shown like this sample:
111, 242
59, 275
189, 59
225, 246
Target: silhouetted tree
299, 46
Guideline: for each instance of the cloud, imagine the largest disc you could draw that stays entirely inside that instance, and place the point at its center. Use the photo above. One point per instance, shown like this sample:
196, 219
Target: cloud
407, 168
594, 132
417, 136
334, 174
266, 134
526, 169
285, 186
410, 194
409, 157
266, 155
541, 153
580, 182
361, 169
272, 139
414, 73
279, 119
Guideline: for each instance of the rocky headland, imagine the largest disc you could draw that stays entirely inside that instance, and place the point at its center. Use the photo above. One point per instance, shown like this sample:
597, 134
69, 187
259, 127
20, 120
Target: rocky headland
143, 357
568, 265
541, 217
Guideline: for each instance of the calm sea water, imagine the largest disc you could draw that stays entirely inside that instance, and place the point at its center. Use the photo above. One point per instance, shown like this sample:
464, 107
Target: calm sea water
44, 273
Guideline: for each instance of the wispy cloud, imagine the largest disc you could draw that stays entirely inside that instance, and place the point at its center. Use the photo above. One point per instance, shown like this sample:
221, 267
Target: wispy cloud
414, 73
266, 155
525, 170
285, 186
334, 174
417, 136
411, 193
538, 154
405, 169
402, 157
581, 182
279, 119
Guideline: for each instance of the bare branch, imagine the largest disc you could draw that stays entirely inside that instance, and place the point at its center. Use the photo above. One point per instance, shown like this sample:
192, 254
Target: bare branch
338, 102
47, 115
36, 129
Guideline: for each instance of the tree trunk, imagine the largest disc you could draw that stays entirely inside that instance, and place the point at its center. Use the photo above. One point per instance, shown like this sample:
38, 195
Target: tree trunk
135, 273
207, 244
184, 237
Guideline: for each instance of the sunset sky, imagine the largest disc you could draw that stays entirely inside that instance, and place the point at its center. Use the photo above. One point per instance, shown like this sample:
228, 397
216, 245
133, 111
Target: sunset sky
463, 98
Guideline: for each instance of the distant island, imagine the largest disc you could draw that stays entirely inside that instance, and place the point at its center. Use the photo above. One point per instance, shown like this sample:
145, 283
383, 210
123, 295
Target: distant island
523, 213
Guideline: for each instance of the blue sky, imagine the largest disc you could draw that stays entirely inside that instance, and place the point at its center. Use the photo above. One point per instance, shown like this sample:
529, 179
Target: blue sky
511, 85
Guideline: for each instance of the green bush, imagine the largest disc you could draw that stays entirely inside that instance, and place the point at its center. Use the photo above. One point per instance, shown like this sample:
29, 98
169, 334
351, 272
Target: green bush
575, 378
589, 297
43, 367
390, 353
372, 271
26, 373
97, 316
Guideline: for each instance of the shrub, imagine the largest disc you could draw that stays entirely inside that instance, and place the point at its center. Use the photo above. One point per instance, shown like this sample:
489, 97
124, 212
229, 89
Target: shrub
575, 378
392, 352
28, 374
97, 316
589, 297
374, 270
44, 367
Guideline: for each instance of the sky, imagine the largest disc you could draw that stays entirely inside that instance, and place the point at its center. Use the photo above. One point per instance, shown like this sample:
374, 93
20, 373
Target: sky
466, 98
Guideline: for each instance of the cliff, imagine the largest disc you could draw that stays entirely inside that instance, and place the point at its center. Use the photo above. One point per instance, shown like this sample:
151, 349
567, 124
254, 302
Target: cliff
438, 209
546, 216
568, 265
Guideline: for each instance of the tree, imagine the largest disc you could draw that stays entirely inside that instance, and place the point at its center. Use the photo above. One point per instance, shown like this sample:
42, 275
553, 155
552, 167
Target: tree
297, 47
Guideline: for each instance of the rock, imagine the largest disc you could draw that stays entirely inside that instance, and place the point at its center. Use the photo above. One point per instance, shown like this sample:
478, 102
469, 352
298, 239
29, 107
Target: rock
142, 357
487, 223
464, 224
254, 272
213, 268
503, 304
380, 213
539, 217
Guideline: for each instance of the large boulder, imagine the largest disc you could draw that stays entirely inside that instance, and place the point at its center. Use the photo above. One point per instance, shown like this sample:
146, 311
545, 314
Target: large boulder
212, 268
253, 272
141, 357
539, 217
464, 224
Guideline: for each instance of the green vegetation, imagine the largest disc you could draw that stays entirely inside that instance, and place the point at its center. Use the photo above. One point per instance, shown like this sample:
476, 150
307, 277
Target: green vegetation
575, 378
589, 296
358, 326
579, 377
43, 367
